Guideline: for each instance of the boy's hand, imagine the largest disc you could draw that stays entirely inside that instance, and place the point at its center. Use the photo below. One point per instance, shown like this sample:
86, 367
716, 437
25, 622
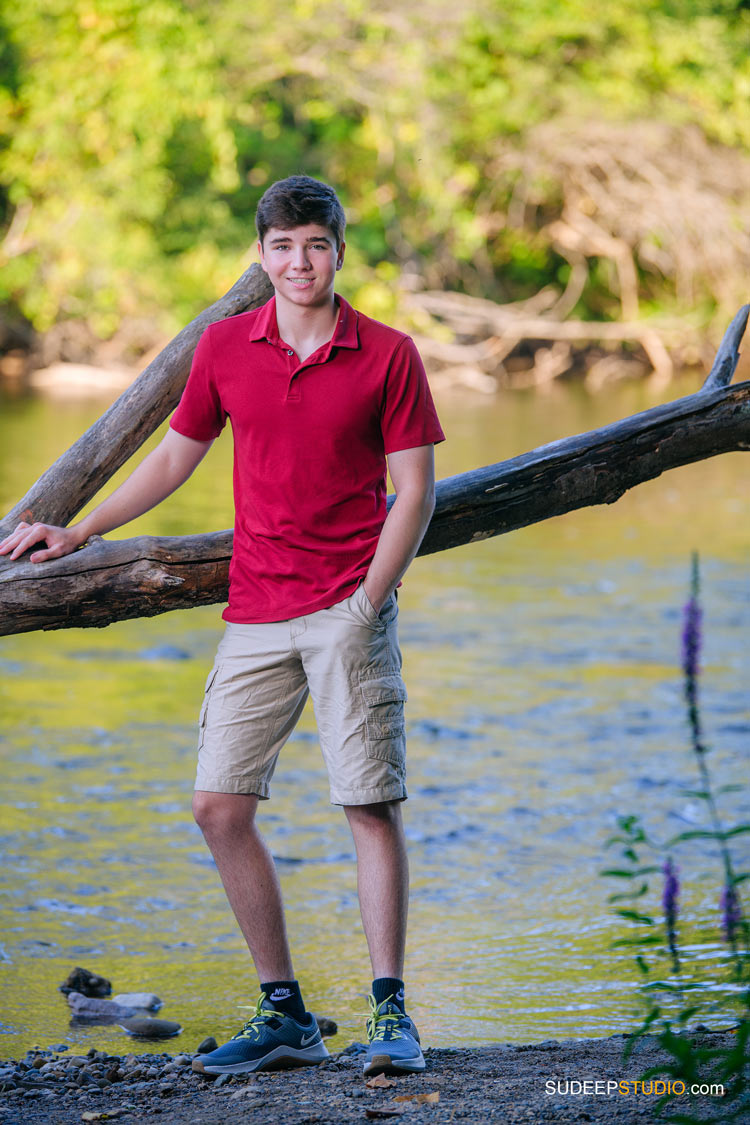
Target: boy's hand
60, 541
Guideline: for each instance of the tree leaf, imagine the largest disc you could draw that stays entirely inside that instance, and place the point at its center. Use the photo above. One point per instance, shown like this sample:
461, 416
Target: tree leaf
634, 916
380, 1082
419, 1099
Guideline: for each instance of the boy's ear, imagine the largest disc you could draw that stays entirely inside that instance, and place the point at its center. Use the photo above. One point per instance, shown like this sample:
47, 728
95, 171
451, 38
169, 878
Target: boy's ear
340, 256
262, 259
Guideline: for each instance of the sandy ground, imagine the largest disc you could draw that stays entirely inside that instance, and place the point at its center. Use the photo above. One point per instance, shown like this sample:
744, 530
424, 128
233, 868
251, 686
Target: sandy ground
531, 1083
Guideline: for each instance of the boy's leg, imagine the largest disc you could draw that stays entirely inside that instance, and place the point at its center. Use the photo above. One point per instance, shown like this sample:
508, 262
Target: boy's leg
248, 873
254, 696
382, 882
353, 665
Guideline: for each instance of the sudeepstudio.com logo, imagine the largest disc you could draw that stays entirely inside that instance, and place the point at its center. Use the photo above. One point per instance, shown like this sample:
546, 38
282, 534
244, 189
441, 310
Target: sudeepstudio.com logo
655, 1088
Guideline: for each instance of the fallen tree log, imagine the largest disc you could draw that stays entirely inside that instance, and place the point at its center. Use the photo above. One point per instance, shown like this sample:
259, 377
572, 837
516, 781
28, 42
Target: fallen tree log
77, 476
110, 581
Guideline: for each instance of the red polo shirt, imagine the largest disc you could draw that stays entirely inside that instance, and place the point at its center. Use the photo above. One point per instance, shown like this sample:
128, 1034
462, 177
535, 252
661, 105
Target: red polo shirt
310, 443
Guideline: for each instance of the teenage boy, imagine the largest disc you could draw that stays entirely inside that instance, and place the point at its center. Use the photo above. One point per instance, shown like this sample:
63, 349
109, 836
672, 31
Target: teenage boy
320, 398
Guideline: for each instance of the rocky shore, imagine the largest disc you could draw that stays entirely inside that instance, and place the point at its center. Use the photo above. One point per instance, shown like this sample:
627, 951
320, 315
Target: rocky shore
550, 1081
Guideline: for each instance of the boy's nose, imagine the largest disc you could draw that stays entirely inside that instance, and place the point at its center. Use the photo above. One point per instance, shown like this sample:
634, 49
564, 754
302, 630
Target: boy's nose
300, 259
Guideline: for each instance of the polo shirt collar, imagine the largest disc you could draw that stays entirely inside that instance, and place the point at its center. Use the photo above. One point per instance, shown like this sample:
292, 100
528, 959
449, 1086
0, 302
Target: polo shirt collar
346, 333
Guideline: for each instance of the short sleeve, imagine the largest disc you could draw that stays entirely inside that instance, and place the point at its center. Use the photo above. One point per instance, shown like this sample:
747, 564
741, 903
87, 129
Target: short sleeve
200, 414
409, 418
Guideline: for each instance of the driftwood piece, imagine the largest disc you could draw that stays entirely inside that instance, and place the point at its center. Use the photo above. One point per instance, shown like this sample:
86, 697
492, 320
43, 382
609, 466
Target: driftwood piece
510, 324
110, 581
77, 476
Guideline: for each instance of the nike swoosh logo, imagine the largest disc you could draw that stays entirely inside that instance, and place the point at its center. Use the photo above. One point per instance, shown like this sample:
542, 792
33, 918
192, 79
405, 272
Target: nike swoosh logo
306, 1040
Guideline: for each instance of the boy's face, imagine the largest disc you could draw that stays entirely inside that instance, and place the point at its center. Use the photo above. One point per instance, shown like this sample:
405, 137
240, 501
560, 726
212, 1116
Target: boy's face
301, 264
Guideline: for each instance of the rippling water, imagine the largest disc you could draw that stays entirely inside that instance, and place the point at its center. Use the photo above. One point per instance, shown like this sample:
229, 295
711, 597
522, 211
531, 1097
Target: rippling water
544, 700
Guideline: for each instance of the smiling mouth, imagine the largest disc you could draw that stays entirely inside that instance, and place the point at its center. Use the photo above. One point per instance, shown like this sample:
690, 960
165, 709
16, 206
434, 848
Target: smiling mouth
301, 280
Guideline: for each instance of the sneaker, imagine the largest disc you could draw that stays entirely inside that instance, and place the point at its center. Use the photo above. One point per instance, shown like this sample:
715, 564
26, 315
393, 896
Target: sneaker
393, 1041
270, 1040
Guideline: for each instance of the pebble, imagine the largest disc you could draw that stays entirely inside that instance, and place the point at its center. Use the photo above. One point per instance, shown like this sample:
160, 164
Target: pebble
207, 1046
148, 1001
150, 1028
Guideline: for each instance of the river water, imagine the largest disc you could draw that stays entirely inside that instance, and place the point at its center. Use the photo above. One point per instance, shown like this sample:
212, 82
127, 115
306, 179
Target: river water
545, 700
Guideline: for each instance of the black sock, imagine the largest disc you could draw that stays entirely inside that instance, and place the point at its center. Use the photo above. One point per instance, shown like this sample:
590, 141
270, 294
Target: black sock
285, 996
389, 988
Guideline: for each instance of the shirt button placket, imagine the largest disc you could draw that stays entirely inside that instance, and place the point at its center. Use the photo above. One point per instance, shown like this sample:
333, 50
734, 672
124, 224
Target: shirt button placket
292, 390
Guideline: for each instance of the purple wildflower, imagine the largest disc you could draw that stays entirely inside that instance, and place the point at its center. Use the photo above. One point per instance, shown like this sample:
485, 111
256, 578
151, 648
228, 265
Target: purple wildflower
731, 912
669, 905
691, 639
691, 648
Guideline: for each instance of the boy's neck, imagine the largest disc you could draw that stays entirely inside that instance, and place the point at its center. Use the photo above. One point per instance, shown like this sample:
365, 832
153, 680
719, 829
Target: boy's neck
306, 329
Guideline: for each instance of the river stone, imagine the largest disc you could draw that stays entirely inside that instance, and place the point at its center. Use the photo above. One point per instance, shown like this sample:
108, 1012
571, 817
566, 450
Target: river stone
145, 1028
326, 1027
207, 1046
87, 983
97, 1011
145, 1000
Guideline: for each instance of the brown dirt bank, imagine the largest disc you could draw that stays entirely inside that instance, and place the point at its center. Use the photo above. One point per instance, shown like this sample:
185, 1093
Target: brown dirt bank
502, 1083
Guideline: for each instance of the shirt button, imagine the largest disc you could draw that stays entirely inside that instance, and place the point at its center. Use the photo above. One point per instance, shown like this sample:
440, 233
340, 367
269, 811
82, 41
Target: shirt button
290, 352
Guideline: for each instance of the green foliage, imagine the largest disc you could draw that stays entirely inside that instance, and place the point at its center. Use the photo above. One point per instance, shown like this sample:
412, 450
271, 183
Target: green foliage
136, 137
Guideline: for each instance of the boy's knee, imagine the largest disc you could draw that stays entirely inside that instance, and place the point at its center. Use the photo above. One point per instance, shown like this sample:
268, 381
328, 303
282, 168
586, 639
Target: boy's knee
223, 813
385, 815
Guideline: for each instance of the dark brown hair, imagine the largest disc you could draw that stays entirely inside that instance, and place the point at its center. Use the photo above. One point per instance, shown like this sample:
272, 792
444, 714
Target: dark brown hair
297, 201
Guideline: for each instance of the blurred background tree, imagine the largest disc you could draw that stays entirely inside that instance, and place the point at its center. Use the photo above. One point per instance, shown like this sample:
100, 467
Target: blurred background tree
491, 149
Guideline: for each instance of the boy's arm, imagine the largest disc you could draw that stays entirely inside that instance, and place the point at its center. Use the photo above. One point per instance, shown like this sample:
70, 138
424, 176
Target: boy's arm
158, 475
413, 475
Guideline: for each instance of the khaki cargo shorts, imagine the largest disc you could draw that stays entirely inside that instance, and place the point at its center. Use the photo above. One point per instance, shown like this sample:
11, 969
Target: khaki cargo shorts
347, 657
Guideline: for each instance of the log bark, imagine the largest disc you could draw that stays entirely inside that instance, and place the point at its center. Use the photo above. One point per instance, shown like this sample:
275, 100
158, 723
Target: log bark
77, 476
109, 581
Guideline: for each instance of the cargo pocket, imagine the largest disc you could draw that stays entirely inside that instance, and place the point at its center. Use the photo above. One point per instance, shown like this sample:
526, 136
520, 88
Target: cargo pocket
204, 709
385, 737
